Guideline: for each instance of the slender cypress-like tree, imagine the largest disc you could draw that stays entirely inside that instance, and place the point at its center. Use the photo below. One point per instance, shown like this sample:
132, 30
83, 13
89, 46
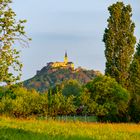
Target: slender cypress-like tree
135, 72
119, 42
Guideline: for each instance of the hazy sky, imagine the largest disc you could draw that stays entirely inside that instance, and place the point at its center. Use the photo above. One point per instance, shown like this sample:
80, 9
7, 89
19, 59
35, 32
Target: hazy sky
73, 25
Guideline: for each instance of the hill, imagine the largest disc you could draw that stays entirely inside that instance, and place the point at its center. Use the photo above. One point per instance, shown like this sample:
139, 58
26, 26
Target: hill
50, 76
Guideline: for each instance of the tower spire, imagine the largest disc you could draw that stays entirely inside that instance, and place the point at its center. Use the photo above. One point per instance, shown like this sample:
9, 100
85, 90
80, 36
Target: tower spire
66, 54
66, 57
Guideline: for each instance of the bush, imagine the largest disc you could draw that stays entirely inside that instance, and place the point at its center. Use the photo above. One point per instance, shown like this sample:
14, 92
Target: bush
61, 105
25, 103
108, 99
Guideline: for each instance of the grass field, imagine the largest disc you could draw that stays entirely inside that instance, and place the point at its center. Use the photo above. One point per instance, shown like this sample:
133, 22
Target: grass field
18, 129
72, 118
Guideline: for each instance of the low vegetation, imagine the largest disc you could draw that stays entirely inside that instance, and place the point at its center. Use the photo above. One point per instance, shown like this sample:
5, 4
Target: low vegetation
16, 129
103, 97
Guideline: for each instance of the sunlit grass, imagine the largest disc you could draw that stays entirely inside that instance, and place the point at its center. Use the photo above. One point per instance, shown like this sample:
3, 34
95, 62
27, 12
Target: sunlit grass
21, 129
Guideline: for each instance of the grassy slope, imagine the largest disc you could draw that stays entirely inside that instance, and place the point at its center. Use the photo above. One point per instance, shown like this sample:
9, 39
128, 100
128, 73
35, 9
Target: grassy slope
13, 129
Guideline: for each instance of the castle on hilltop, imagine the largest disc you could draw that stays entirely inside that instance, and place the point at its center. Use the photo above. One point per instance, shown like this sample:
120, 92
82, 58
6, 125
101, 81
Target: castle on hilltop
65, 64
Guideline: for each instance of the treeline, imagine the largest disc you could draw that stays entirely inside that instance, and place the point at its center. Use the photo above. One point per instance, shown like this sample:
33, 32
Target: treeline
102, 97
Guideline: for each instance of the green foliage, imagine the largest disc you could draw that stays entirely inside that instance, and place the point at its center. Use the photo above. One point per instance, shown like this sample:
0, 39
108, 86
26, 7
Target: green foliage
71, 87
134, 77
119, 42
87, 104
25, 103
107, 97
6, 105
134, 108
134, 86
11, 31
103, 97
20, 102
61, 105
29, 103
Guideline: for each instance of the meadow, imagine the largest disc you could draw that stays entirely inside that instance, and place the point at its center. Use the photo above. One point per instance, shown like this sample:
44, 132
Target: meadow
32, 129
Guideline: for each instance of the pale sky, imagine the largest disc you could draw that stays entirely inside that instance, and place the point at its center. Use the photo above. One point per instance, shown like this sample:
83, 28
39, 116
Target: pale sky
73, 25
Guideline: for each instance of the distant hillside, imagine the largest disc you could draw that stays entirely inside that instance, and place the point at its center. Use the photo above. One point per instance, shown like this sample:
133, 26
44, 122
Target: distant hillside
48, 77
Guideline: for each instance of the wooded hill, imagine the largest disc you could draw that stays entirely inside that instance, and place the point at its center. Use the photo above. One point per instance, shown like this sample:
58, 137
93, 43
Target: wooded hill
49, 77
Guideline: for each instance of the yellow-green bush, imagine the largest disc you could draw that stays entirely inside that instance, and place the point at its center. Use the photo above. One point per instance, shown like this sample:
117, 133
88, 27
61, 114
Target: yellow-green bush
25, 103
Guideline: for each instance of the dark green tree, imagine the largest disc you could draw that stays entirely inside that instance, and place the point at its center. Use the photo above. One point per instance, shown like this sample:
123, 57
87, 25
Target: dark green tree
119, 42
134, 86
71, 87
11, 31
135, 72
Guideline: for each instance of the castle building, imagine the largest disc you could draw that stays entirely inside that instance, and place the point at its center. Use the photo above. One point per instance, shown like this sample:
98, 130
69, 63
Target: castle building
65, 64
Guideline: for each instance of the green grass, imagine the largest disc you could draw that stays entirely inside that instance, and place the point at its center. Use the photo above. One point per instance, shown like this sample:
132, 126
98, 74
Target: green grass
71, 118
14, 129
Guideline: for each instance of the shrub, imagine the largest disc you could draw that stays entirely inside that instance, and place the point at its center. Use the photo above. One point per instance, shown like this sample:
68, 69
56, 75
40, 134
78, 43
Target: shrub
108, 99
20, 102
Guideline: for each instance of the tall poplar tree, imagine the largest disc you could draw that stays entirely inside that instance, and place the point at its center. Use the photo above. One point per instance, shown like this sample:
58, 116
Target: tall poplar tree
11, 30
119, 42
